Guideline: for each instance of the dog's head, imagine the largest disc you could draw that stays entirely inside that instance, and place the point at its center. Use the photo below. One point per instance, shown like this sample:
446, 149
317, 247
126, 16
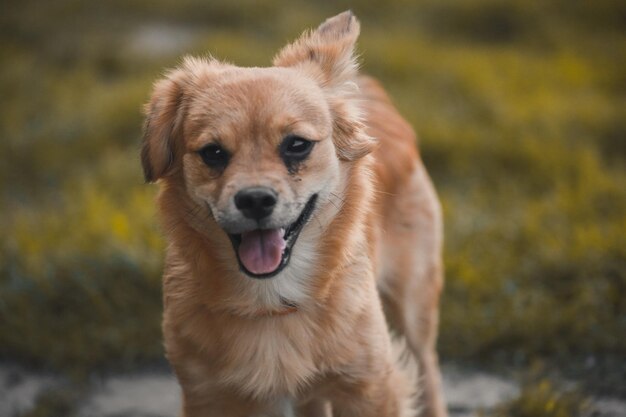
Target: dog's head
260, 149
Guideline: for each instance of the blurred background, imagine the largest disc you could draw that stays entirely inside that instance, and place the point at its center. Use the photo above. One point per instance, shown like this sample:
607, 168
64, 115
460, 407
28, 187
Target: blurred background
520, 107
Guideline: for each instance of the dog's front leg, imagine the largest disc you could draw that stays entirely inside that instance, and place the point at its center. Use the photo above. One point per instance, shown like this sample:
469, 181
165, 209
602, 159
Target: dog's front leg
220, 404
314, 408
384, 395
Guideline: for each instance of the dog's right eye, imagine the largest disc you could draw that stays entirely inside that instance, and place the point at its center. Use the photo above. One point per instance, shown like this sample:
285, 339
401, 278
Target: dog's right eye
214, 156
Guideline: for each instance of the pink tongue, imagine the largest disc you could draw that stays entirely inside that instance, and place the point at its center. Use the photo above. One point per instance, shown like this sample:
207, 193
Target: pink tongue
261, 250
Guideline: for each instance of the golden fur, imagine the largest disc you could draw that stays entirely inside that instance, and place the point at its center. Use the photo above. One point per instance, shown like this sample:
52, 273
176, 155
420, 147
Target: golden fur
312, 340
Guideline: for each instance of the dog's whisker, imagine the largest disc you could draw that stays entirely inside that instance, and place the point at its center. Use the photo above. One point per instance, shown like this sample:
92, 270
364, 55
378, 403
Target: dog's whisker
336, 201
319, 222
331, 201
337, 197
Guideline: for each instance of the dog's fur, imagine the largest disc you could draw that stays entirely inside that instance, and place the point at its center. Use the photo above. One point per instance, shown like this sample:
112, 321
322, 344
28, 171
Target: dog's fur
312, 340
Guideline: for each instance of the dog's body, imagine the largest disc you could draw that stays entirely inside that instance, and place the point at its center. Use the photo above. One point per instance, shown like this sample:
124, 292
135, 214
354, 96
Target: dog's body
273, 174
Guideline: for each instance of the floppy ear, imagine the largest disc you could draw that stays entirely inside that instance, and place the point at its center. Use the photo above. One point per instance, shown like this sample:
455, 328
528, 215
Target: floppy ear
327, 55
349, 135
164, 115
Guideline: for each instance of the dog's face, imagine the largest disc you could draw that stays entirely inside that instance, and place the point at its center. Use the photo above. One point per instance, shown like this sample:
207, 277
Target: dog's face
258, 155
260, 149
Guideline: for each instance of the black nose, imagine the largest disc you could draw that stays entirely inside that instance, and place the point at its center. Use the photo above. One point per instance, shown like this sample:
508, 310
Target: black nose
256, 202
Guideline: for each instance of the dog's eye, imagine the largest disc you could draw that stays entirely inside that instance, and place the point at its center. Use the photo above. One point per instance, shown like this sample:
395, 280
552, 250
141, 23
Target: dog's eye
294, 148
214, 156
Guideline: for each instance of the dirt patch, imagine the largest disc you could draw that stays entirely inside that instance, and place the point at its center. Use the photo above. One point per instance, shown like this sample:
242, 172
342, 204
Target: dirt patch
156, 393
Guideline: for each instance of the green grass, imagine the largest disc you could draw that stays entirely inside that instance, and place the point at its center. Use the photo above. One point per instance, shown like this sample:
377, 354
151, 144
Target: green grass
543, 399
520, 109
56, 402
80, 272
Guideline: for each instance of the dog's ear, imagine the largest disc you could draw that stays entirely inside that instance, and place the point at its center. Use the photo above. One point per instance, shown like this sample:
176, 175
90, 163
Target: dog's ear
349, 135
327, 52
163, 125
327, 55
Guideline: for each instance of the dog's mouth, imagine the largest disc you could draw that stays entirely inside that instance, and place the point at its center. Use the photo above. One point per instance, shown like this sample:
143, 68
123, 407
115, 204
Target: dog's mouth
263, 253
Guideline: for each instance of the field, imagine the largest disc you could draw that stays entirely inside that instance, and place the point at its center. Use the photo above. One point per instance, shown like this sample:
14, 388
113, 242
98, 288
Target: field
520, 108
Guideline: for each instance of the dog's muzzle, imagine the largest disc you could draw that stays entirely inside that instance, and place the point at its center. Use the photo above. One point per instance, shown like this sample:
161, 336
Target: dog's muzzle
263, 253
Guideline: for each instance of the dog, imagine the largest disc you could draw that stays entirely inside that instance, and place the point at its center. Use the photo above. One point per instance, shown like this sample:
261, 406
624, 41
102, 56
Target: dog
303, 231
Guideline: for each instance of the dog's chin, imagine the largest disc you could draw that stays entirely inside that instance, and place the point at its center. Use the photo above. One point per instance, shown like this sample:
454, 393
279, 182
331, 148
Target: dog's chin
284, 240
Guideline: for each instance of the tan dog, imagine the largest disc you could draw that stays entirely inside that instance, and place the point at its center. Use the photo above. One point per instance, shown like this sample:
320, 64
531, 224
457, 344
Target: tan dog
294, 201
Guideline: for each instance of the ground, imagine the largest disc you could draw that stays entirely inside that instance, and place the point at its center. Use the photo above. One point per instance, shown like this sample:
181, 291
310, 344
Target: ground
155, 393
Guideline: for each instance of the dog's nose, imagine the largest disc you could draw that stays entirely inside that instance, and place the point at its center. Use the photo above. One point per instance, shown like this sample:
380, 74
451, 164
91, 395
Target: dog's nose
256, 202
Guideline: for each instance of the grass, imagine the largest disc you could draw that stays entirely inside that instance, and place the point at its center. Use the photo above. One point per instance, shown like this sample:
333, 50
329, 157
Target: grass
543, 398
520, 107
56, 402
80, 272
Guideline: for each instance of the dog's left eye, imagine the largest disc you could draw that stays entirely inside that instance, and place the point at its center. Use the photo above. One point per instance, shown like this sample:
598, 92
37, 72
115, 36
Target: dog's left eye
295, 148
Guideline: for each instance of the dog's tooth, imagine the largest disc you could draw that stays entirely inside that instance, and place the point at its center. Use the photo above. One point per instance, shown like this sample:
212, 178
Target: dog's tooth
282, 231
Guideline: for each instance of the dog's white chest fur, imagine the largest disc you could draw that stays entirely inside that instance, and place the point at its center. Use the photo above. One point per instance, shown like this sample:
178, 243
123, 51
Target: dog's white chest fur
277, 364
